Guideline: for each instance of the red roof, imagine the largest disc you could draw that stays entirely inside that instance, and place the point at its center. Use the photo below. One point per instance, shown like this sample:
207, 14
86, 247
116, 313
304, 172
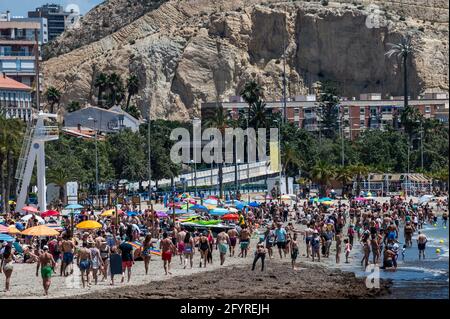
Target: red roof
8, 83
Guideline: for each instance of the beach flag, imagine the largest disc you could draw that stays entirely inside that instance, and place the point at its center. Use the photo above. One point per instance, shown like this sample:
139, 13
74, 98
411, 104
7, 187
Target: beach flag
274, 156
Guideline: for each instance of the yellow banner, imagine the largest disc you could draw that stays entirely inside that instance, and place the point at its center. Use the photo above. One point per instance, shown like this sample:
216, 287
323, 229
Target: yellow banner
274, 157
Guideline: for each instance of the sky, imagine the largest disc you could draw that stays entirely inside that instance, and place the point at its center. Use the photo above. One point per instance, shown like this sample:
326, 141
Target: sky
21, 7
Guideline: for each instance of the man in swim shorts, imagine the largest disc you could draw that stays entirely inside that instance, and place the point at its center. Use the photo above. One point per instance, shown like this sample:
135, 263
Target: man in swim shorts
280, 237
421, 244
244, 240
84, 262
232, 233
47, 263
67, 248
223, 240
180, 243
166, 245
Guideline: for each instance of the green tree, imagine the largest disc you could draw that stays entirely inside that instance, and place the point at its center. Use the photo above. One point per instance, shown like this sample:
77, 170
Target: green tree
101, 82
290, 158
116, 90
328, 109
53, 96
132, 89
344, 175
359, 171
322, 173
73, 106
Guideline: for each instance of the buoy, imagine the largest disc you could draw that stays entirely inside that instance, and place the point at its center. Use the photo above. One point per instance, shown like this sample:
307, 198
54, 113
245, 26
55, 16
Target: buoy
441, 241
438, 251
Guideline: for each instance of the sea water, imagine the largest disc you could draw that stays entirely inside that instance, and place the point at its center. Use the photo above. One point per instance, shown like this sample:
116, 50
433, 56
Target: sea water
414, 278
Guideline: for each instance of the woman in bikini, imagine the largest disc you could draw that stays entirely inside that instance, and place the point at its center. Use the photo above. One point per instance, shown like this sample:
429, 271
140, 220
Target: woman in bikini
146, 251
188, 251
211, 246
105, 252
7, 264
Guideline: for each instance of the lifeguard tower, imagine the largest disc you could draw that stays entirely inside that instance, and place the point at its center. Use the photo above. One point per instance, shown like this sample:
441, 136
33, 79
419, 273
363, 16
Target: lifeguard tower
33, 150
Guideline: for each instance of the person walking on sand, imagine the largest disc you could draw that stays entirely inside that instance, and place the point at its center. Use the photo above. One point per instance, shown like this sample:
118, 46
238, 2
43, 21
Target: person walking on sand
126, 250
47, 264
280, 237
338, 238
146, 251
315, 245
167, 247
67, 248
96, 260
366, 252
232, 233
180, 243
188, 251
294, 250
222, 242
421, 244
7, 264
260, 253
203, 247
84, 263
348, 249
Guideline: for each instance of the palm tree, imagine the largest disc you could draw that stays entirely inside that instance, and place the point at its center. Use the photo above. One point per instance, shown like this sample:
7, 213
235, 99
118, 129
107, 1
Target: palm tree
359, 171
132, 88
322, 173
345, 176
53, 97
251, 92
60, 176
259, 115
101, 82
402, 50
116, 89
289, 157
220, 121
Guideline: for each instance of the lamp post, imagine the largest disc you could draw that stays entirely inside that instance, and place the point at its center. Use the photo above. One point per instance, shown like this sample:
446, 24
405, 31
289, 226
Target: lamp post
96, 158
421, 144
279, 153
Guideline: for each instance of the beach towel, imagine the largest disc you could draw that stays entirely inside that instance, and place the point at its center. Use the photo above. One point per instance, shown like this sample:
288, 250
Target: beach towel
115, 264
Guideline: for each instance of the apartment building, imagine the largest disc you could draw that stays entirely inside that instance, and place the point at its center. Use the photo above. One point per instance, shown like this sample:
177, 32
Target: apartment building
15, 99
370, 111
58, 19
18, 46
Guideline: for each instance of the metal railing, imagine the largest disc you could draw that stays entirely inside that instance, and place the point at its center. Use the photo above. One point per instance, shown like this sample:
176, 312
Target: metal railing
16, 53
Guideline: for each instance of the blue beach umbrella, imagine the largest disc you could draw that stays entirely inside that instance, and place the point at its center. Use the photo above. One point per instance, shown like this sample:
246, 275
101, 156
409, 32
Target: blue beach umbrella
198, 207
74, 206
5, 237
254, 204
132, 213
219, 211
325, 199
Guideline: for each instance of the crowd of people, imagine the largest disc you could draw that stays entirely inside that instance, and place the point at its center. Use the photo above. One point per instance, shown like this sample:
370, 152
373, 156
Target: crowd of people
306, 229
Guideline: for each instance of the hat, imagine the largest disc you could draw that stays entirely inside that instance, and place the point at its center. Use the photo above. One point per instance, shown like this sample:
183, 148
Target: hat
45, 247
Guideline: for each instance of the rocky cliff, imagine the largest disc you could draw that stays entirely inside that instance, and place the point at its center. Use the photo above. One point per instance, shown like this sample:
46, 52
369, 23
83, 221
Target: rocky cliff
186, 52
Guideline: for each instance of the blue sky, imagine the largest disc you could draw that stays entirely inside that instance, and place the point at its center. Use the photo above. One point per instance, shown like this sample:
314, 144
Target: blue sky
21, 7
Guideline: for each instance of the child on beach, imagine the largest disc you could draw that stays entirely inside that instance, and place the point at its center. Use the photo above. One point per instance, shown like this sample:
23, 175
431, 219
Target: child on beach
348, 249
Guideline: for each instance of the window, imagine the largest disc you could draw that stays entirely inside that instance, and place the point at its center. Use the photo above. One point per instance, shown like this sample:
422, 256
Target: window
362, 111
362, 123
346, 110
427, 109
296, 111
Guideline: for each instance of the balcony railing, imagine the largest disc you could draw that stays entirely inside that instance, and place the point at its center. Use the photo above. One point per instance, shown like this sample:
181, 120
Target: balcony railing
16, 53
21, 38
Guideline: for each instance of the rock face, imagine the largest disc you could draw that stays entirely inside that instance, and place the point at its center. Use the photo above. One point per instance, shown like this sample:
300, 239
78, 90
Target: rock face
187, 52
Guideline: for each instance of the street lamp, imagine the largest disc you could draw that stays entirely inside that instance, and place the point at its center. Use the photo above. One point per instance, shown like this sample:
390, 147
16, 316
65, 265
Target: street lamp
96, 158
279, 153
421, 144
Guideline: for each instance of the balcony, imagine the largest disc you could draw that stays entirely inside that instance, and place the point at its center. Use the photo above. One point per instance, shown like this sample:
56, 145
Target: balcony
16, 54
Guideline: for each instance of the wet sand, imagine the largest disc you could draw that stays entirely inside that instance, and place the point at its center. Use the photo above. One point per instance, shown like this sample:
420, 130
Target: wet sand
278, 281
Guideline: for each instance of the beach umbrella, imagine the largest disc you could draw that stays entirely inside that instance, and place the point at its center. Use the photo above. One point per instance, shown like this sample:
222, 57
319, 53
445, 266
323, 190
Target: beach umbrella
12, 230
132, 213
3, 229
232, 210
212, 197
209, 207
49, 213
41, 230
218, 211
89, 224
161, 214
176, 205
254, 204
259, 197
328, 203
360, 199
325, 199
314, 200
240, 206
198, 207
74, 206
4, 237
30, 209
230, 217
269, 197
211, 201
39, 218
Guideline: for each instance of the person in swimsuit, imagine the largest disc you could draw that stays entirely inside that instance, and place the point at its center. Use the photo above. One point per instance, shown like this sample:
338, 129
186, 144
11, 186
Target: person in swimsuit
269, 239
421, 244
244, 241
223, 241
281, 237
84, 263
47, 264
188, 251
348, 249
211, 246
203, 247
180, 243
7, 264
338, 238
294, 250
126, 251
260, 253
167, 247
96, 260
67, 248
232, 233
146, 251
315, 245
444, 219
105, 252
308, 235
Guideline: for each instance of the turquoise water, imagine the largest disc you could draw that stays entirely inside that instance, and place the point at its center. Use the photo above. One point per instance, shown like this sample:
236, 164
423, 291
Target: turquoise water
414, 278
